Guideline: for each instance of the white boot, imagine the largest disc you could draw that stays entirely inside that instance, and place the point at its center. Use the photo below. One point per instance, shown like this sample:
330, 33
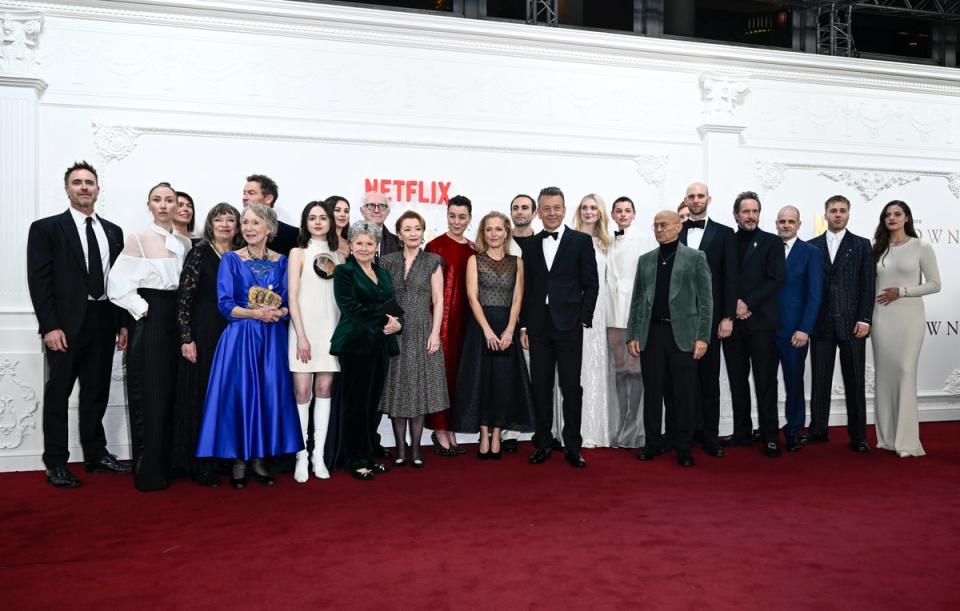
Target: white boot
321, 417
302, 471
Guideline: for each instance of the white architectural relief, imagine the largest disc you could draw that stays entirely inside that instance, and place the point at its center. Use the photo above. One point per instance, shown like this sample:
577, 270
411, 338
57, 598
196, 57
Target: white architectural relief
869, 183
870, 378
19, 35
722, 94
953, 182
770, 174
652, 168
114, 142
952, 385
18, 406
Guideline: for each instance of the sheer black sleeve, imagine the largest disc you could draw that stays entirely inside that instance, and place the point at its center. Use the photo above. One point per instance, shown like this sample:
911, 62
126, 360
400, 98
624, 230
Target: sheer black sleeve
189, 281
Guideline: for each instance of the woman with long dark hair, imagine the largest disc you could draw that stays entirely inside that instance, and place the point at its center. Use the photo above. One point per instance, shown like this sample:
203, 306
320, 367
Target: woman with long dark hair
907, 270
144, 282
201, 325
341, 218
313, 317
185, 218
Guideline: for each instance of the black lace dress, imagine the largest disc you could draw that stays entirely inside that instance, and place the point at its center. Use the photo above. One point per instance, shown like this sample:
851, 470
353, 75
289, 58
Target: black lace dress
199, 321
493, 387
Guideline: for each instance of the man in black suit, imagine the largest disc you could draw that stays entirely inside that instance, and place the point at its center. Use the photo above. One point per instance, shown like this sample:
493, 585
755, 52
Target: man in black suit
375, 209
559, 296
844, 322
752, 344
68, 258
263, 190
718, 244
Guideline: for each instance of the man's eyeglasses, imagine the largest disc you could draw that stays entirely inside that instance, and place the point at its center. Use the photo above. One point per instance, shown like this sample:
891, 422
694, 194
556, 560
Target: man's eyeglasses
376, 206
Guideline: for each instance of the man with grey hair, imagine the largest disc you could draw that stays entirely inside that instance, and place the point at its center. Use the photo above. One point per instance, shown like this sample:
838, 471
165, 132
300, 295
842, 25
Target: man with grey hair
375, 209
799, 304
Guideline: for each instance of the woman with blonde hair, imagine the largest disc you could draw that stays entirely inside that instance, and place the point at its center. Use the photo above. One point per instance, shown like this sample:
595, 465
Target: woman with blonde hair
591, 218
493, 390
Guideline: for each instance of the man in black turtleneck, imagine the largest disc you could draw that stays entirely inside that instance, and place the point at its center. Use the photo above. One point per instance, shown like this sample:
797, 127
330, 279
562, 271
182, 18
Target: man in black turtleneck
752, 345
669, 328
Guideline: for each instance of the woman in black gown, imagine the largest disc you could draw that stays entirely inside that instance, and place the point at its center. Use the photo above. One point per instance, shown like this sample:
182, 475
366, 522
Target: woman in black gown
200, 325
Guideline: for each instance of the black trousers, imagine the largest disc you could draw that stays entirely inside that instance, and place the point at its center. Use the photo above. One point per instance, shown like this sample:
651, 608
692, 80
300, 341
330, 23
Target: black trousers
746, 350
89, 359
823, 355
662, 363
361, 385
151, 389
706, 411
561, 352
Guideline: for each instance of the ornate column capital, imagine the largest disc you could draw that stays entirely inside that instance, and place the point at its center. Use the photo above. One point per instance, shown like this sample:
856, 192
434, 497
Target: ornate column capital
19, 37
722, 95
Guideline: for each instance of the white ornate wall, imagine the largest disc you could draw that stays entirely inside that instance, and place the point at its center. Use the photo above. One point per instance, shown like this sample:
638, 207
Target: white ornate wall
323, 98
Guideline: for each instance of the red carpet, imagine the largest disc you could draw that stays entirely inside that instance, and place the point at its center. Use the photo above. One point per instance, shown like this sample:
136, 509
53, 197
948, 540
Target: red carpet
824, 529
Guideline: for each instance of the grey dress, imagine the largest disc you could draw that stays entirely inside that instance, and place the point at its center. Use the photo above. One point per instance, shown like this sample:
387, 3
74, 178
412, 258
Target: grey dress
416, 382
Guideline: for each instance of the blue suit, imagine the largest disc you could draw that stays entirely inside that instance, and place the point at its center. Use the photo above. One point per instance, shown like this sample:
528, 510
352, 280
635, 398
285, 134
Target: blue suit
799, 304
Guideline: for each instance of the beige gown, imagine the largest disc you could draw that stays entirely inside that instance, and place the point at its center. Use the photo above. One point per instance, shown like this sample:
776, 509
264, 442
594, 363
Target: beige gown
897, 336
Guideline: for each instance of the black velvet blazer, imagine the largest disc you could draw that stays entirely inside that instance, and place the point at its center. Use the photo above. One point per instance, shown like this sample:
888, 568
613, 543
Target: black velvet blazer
360, 330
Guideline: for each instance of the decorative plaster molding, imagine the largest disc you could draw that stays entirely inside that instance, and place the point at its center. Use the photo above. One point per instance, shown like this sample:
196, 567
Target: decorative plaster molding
653, 168
17, 414
868, 181
114, 142
952, 385
722, 94
869, 383
19, 36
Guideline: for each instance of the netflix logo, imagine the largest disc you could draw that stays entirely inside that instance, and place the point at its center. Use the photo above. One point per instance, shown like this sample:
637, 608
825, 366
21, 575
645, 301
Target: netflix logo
410, 191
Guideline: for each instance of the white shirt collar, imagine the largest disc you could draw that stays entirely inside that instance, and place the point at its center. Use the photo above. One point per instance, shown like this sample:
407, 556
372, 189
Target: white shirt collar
81, 219
791, 242
838, 236
705, 220
558, 231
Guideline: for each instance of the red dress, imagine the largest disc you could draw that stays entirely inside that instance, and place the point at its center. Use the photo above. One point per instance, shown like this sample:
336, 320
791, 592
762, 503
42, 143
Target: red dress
455, 313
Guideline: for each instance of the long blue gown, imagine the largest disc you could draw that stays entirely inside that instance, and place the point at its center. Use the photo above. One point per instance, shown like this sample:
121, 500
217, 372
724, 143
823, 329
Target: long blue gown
250, 410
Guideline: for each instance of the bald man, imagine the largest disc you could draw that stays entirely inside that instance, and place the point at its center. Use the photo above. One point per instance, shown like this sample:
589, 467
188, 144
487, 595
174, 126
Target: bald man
669, 328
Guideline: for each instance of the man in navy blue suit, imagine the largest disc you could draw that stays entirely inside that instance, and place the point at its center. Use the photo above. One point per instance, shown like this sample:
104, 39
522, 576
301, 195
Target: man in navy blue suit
799, 304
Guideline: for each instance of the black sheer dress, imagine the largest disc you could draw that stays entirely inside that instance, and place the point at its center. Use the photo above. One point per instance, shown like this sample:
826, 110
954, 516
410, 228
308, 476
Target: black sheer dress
199, 321
493, 387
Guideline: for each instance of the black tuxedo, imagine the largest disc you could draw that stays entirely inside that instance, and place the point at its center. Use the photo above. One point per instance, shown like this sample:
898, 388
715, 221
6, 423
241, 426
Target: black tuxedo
719, 245
555, 331
389, 242
849, 287
285, 240
752, 345
57, 279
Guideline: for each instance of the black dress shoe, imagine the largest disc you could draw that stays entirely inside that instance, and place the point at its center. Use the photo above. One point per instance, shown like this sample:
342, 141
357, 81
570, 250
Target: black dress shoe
809, 437
381, 452
238, 483
207, 478
575, 460
733, 441
755, 435
378, 468
509, 446
771, 449
713, 449
859, 446
556, 445
540, 456
685, 460
646, 454
108, 463
60, 477
793, 444
365, 476
483, 455
266, 480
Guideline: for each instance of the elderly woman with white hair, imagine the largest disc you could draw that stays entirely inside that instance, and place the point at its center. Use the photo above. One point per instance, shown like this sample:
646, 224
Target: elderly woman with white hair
364, 340
250, 413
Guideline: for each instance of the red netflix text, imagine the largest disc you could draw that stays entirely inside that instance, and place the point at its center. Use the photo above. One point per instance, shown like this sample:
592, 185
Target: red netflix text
411, 191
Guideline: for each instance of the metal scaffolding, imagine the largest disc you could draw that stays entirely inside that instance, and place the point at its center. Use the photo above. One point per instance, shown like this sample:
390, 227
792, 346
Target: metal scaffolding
834, 30
545, 12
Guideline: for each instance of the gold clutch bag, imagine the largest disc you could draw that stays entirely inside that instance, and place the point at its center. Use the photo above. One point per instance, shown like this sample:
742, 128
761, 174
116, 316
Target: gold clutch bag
263, 296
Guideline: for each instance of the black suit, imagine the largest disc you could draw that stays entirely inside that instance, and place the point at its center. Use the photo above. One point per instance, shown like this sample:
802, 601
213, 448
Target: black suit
719, 245
752, 345
389, 242
57, 278
285, 240
555, 331
849, 285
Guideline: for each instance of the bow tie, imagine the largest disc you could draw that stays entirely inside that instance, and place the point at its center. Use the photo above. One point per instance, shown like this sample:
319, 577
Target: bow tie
691, 224
553, 234
618, 233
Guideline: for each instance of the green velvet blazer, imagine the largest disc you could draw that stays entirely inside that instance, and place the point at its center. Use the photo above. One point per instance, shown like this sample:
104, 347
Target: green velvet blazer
691, 298
360, 330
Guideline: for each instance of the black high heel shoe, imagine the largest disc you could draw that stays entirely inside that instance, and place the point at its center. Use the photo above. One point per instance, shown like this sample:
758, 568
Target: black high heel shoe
483, 455
378, 468
238, 483
438, 448
362, 475
266, 480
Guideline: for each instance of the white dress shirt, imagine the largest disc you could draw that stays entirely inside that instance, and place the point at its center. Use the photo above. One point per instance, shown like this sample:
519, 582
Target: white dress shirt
695, 235
833, 242
81, 220
788, 246
550, 246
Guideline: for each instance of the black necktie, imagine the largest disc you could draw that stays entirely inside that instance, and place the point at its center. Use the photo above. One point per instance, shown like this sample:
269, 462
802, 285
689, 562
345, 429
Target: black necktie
552, 234
691, 224
617, 233
94, 263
